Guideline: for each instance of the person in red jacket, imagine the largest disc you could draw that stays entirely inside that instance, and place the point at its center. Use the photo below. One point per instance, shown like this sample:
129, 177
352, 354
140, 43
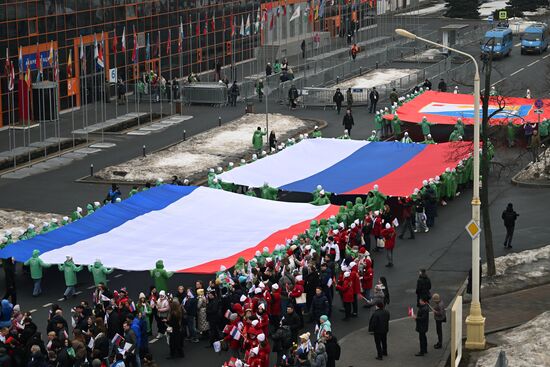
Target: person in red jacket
298, 296
263, 350
389, 237
275, 315
346, 288
356, 284
377, 229
254, 359
263, 318
366, 281
234, 344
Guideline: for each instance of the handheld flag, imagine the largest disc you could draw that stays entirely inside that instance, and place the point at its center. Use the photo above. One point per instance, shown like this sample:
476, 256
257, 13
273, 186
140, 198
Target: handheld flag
117, 339
235, 333
132, 307
410, 312
123, 41
322, 9
295, 14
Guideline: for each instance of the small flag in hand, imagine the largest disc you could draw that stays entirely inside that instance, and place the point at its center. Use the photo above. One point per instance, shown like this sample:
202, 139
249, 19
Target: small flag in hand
410, 312
132, 307
117, 340
227, 314
235, 333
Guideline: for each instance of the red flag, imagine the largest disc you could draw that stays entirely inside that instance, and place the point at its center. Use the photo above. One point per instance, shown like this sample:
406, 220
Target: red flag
169, 43
123, 43
205, 29
213, 22
115, 42
38, 60
272, 22
284, 9
135, 49
70, 65
232, 21
410, 312
265, 15
198, 27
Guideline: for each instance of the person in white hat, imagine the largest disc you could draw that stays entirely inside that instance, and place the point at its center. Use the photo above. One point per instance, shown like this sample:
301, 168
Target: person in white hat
345, 286
69, 270
389, 234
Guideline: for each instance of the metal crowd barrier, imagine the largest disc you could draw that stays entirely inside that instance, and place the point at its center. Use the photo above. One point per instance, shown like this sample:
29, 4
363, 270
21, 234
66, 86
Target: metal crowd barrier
204, 93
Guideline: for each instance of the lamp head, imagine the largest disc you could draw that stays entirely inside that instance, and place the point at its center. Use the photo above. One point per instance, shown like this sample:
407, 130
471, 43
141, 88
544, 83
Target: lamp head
405, 33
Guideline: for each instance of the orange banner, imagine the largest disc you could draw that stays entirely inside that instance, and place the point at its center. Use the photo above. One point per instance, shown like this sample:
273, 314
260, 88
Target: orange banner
72, 87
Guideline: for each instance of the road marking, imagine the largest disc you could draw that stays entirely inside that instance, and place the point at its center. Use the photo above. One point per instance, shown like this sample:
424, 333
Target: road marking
47, 305
61, 299
91, 287
517, 71
498, 81
118, 275
517, 44
33, 310
546, 56
153, 340
533, 63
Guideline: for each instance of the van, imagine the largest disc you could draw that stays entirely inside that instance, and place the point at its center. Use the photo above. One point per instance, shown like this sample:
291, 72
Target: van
498, 41
535, 39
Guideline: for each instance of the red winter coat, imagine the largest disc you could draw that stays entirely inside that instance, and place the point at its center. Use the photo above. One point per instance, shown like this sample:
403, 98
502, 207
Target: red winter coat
342, 240
267, 297
346, 288
254, 361
377, 227
366, 280
276, 302
264, 354
355, 280
264, 323
297, 290
233, 344
354, 239
389, 238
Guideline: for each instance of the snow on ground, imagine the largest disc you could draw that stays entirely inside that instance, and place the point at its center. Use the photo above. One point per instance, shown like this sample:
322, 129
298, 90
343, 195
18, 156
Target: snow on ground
490, 7
377, 78
519, 25
16, 220
429, 10
538, 172
429, 54
525, 345
216, 147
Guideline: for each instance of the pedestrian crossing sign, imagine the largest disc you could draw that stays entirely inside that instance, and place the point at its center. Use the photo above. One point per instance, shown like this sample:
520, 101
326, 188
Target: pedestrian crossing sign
473, 229
502, 15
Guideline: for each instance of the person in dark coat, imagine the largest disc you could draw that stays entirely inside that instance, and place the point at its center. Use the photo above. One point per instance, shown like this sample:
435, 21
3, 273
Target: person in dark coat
430, 206
374, 97
348, 121
292, 96
427, 84
213, 313
175, 320
114, 323
273, 140
509, 217
379, 325
442, 86
422, 324
234, 92
292, 320
282, 341
423, 286
338, 99
9, 275
333, 349
319, 305
303, 48
268, 69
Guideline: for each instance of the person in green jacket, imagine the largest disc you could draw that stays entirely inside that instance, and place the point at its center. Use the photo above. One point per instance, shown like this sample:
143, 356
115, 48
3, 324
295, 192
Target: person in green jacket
89, 209
455, 135
45, 228
77, 214
345, 136
54, 224
69, 269
160, 276
316, 133
276, 67
459, 125
543, 128
251, 192
257, 139
65, 220
396, 124
322, 199
269, 193
99, 272
373, 137
378, 122
30, 232
145, 309
215, 184
428, 140
36, 265
211, 176
425, 125
406, 138
133, 191
359, 209
493, 91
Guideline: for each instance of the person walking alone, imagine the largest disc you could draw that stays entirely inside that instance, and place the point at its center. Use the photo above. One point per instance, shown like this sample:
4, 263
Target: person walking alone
422, 319
379, 325
373, 98
423, 286
349, 98
348, 121
440, 317
509, 216
338, 99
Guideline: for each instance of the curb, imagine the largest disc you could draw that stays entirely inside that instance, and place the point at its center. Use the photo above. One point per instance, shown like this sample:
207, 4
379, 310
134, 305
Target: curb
94, 180
530, 185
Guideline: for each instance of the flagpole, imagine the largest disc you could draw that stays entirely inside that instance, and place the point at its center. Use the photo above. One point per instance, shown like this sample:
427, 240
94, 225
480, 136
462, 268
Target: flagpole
148, 57
86, 100
94, 73
159, 79
125, 73
171, 80
116, 79
13, 114
29, 115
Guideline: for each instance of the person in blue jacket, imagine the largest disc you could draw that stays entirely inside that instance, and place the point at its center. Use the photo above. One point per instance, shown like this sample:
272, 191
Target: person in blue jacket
7, 311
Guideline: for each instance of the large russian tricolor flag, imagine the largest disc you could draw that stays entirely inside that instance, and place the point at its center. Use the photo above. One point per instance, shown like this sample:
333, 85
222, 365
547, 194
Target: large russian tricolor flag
193, 229
351, 166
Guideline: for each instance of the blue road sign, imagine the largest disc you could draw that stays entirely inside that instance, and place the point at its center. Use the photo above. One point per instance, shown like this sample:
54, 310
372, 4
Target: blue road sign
539, 103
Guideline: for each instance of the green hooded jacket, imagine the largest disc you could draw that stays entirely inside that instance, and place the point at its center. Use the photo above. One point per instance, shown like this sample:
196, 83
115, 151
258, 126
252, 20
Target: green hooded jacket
425, 125
99, 272
258, 140
160, 276
36, 264
70, 269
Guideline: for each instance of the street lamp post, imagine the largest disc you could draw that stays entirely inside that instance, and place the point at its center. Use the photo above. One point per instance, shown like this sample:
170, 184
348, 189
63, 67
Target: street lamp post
475, 322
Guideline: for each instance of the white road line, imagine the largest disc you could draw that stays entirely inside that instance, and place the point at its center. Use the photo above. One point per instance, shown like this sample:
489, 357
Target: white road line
546, 56
33, 310
533, 63
118, 275
517, 44
91, 287
61, 299
498, 81
47, 305
517, 71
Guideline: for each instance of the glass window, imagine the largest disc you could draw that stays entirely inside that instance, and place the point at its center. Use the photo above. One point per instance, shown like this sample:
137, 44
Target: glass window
33, 26
131, 12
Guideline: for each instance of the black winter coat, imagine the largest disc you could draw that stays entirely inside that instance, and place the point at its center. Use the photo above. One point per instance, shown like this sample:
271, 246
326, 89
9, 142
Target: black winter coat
423, 286
423, 319
348, 121
319, 306
509, 218
379, 322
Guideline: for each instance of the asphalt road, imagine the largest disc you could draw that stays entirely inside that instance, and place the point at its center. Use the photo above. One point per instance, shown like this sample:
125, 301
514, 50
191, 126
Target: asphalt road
444, 251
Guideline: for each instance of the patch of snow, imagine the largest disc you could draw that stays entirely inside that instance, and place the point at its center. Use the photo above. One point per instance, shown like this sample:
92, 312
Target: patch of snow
503, 263
429, 54
538, 171
210, 149
519, 25
15, 220
377, 78
425, 11
525, 345
539, 11
490, 7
